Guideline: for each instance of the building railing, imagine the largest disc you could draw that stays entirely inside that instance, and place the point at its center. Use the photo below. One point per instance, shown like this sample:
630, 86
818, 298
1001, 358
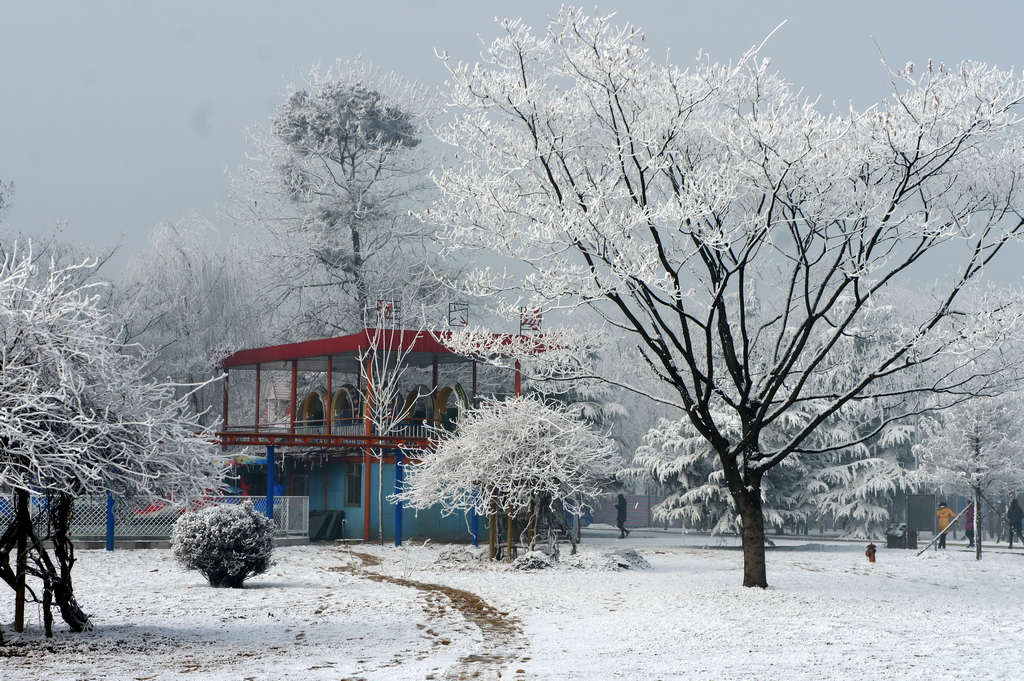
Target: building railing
138, 520
420, 428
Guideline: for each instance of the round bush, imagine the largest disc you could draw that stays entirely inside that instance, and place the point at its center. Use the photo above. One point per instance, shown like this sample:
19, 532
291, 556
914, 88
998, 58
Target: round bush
227, 543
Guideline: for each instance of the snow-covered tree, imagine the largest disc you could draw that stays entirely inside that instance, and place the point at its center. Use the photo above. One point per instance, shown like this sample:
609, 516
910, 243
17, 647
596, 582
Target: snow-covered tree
974, 449
384, 369
80, 417
670, 199
6, 193
853, 487
521, 456
194, 299
330, 186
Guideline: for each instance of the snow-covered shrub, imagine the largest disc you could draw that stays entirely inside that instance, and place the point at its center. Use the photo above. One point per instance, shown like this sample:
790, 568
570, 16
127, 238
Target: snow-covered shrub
460, 556
227, 543
533, 560
626, 559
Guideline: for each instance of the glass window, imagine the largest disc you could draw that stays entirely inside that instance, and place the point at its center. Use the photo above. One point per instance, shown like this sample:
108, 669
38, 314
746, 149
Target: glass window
353, 488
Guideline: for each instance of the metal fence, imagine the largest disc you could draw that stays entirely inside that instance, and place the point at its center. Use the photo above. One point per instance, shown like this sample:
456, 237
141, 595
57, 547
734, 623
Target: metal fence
138, 520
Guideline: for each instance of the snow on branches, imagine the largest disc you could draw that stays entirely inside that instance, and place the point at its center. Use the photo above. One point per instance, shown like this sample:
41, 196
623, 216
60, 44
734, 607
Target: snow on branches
508, 454
975, 445
330, 186
741, 234
79, 413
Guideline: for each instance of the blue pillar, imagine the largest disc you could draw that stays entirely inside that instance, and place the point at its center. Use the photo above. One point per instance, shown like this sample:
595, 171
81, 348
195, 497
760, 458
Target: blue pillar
399, 474
474, 526
271, 481
474, 519
110, 521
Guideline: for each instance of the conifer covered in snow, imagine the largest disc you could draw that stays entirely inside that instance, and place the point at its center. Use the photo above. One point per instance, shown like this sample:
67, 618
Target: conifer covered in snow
975, 449
226, 543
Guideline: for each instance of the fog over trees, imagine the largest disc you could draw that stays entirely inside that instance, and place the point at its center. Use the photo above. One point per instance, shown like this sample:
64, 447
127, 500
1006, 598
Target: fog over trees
773, 309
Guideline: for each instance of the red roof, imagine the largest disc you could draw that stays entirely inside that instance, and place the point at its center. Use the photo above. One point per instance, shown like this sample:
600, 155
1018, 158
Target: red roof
422, 345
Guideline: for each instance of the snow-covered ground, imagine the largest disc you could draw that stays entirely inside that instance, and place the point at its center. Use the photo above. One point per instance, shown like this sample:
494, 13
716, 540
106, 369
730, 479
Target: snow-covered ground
325, 612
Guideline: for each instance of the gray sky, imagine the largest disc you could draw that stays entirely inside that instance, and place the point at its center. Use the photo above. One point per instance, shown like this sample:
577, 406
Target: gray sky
117, 115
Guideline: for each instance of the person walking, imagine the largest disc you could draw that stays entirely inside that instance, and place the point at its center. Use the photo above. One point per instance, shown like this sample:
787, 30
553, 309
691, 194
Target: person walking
969, 525
620, 516
943, 516
1013, 516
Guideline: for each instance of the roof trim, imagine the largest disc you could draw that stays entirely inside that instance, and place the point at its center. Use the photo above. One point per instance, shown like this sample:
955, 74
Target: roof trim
405, 340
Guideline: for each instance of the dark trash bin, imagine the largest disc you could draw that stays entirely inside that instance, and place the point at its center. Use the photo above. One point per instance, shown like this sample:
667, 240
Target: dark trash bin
899, 536
326, 525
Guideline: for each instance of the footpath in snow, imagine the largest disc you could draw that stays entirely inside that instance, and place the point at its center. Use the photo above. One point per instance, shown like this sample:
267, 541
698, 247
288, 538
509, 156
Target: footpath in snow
434, 612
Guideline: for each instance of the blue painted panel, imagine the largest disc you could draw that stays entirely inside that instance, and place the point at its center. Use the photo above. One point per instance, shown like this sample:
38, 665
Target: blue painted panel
416, 525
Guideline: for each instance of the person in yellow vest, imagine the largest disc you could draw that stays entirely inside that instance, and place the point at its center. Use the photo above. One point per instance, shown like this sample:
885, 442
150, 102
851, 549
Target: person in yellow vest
943, 517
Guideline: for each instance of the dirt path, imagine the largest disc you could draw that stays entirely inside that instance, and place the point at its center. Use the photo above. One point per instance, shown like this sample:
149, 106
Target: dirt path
503, 636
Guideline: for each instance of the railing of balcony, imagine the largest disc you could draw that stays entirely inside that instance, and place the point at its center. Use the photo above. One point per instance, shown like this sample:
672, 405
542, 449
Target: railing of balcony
418, 428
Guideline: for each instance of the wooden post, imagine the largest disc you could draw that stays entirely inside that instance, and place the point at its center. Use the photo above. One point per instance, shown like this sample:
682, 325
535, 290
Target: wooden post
293, 397
519, 379
492, 532
256, 421
511, 537
23, 520
329, 408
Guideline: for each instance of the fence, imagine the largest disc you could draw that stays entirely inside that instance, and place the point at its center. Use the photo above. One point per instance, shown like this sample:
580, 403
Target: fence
135, 520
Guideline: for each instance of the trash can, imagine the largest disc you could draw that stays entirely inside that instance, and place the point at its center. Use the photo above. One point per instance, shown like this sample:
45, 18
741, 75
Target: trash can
899, 536
326, 525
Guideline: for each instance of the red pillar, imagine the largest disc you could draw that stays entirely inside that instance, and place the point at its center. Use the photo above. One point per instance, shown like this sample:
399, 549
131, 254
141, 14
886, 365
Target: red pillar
329, 407
291, 401
368, 420
519, 379
256, 420
433, 390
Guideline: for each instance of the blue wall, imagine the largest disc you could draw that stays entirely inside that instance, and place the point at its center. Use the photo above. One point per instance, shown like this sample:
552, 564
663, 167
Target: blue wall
425, 524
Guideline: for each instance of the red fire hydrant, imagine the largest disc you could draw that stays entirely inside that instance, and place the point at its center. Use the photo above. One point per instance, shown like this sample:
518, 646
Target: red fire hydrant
870, 552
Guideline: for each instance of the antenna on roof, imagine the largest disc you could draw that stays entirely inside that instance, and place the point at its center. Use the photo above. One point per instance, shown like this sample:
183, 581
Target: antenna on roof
458, 314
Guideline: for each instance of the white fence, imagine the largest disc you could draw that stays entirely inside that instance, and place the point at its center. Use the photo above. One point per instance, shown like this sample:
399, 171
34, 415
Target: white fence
134, 520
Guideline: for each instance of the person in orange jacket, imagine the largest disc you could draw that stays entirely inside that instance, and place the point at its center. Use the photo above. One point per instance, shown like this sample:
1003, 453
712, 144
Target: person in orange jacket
943, 516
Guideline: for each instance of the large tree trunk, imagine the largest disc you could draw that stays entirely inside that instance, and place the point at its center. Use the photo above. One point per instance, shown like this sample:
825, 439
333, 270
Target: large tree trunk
23, 521
754, 570
56, 577
362, 290
64, 550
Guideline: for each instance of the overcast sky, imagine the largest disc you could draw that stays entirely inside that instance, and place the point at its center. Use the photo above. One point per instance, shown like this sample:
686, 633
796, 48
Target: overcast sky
118, 115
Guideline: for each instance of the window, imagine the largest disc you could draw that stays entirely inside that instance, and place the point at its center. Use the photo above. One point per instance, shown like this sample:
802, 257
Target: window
353, 487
